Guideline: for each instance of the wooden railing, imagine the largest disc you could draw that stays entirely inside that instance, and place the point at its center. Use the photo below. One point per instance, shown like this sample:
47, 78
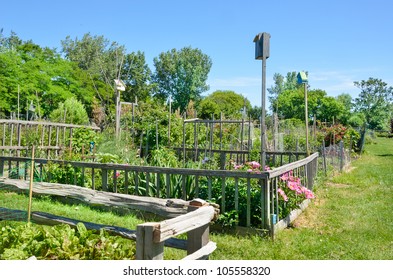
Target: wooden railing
152, 236
52, 137
252, 195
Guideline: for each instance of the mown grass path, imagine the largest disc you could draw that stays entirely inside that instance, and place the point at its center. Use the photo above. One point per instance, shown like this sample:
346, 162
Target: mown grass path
351, 218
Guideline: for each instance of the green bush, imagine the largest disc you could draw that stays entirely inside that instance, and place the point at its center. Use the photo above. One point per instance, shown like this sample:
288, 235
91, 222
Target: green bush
71, 111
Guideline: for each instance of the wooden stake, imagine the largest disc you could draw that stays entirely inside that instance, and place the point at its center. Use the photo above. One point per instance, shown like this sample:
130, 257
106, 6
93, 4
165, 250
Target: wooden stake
31, 185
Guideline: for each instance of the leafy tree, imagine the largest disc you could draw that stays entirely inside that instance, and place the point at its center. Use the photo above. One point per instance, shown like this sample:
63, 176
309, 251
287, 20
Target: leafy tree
209, 108
43, 77
181, 74
346, 100
281, 84
256, 113
228, 102
291, 105
137, 76
328, 108
101, 59
374, 102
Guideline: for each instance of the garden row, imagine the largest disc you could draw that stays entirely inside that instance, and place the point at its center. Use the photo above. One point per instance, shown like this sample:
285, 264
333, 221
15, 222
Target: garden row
247, 195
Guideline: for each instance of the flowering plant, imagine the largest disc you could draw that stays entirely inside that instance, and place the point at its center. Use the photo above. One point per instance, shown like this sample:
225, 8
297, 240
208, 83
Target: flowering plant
291, 193
251, 166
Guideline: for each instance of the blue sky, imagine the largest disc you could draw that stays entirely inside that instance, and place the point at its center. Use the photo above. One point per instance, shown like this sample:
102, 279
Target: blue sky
337, 42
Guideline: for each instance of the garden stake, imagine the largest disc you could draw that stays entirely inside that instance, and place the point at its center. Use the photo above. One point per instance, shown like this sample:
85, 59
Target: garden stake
31, 185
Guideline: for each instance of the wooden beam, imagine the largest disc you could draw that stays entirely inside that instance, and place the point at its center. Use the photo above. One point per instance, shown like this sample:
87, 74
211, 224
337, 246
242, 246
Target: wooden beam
184, 223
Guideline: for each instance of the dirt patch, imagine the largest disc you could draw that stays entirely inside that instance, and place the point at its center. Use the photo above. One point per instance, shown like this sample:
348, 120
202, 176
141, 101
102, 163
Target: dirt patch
339, 186
310, 218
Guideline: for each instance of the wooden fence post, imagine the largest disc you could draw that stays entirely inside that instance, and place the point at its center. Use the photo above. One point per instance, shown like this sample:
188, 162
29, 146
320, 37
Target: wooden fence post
199, 237
146, 249
1, 168
104, 176
341, 155
324, 157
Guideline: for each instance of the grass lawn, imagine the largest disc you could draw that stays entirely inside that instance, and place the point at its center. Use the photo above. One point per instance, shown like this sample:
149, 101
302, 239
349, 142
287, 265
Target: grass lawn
351, 218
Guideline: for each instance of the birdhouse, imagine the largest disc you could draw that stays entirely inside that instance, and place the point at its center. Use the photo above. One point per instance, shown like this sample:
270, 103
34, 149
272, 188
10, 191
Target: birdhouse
262, 45
120, 85
302, 78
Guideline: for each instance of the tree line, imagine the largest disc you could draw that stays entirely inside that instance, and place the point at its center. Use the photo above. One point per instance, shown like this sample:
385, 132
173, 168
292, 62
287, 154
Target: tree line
84, 70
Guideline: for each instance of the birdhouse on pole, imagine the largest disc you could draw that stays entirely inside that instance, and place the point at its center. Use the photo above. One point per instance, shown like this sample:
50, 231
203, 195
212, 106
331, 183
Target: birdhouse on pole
262, 46
120, 85
302, 78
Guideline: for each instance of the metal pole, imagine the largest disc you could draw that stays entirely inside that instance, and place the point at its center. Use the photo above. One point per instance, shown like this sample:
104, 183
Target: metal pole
263, 103
306, 117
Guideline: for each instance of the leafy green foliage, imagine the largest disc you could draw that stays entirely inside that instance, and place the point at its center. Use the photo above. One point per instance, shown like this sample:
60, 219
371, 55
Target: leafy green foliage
228, 102
61, 242
70, 111
181, 74
374, 102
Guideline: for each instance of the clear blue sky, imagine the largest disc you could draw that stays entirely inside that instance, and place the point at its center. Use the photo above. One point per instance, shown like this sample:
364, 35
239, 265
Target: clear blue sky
337, 41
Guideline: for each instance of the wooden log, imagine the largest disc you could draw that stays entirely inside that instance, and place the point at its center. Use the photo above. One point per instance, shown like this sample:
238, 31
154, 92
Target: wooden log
167, 208
12, 214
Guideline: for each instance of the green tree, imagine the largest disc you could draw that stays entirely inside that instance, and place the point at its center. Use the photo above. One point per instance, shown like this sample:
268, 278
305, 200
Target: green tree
281, 84
137, 76
181, 74
230, 103
42, 76
346, 100
374, 102
101, 59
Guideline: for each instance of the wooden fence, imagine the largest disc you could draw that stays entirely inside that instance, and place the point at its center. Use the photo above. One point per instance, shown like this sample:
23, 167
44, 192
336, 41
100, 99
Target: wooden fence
251, 194
52, 138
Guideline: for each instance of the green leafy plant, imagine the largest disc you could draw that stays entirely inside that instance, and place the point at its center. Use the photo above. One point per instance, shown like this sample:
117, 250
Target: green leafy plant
61, 242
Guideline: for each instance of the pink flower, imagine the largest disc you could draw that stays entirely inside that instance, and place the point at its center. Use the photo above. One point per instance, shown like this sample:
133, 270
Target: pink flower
308, 193
249, 170
117, 174
267, 168
254, 164
282, 194
238, 166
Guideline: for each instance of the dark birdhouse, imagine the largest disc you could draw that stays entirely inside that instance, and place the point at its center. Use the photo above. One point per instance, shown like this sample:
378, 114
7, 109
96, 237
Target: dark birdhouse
262, 45
302, 78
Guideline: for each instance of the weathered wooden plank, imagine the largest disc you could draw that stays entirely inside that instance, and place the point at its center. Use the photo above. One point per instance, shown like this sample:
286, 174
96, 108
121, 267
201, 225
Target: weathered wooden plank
290, 166
13, 214
50, 219
162, 207
184, 223
203, 253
